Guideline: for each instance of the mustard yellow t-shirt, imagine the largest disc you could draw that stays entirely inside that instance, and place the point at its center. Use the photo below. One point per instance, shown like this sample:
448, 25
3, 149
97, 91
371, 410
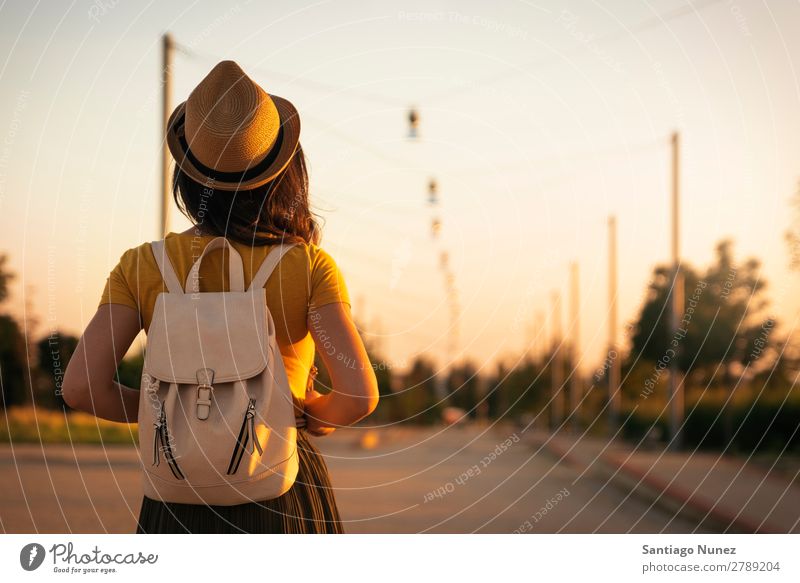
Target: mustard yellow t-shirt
306, 277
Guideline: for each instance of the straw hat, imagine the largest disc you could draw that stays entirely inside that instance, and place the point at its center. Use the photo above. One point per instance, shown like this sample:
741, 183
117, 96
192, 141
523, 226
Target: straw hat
230, 133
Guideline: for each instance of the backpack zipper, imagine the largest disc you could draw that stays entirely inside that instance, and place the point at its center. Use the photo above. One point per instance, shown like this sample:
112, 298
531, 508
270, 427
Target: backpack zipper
161, 442
247, 434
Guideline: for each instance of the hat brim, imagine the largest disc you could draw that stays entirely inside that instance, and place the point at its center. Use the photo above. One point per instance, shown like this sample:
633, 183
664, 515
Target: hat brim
290, 126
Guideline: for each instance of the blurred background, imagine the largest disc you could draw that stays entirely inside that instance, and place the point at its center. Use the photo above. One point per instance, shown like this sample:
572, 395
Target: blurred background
571, 234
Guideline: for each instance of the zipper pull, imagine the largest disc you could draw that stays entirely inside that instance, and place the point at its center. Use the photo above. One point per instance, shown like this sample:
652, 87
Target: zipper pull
156, 443
158, 439
251, 426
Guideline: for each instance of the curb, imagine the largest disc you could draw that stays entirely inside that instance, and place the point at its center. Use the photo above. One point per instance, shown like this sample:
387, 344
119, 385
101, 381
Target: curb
667, 496
683, 500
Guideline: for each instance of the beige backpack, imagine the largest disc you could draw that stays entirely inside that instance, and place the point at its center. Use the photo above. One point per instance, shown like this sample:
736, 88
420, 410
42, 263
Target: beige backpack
216, 419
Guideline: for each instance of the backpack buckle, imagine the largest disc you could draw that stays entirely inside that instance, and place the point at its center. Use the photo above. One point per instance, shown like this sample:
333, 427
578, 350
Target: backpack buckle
205, 379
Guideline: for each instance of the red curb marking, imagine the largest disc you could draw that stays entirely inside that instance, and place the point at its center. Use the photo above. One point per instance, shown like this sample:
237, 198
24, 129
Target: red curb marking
682, 495
672, 491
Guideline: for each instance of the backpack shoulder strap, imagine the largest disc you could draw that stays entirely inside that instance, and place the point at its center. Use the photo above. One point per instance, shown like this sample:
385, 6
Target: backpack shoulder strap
268, 265
165, 267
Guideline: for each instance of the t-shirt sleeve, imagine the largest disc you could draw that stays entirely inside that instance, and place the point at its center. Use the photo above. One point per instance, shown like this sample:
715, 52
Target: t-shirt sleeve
327, 282
118, 289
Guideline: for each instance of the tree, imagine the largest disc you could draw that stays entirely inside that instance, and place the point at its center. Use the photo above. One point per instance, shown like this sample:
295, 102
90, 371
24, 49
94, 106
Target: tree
12, 362
5, 277
417, 401
778, 377
519, 389
462, 388
720, 323
12, 349
129, 371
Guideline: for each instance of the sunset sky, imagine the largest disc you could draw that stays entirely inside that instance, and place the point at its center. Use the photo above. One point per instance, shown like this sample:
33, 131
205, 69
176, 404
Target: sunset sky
538, 120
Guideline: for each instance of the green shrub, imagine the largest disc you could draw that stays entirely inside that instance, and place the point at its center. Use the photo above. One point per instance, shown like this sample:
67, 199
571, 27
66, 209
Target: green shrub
747, 425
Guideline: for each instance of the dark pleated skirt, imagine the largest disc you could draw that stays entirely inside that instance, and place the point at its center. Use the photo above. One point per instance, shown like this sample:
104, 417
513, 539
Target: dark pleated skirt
308, 507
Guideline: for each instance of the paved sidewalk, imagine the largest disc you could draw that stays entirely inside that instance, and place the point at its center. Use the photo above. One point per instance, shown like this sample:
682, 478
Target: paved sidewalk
384, 482
725, 492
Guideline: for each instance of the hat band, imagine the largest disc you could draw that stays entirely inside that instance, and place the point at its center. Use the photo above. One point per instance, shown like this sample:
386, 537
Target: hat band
245, 175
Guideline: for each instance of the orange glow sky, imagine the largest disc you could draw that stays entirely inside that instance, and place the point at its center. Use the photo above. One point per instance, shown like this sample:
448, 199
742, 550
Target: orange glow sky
538, 119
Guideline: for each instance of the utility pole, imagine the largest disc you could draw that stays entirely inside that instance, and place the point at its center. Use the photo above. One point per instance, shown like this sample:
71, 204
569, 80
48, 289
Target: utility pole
675, 375
557, 370
530, 340
533, 334
541, 337
167, 47
613, 358
575, 380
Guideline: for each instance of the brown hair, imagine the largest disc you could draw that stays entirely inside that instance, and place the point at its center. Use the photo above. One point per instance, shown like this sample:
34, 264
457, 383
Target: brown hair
273, 213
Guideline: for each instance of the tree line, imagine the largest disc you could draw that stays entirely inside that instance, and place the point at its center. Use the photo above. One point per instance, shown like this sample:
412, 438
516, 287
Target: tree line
739, 374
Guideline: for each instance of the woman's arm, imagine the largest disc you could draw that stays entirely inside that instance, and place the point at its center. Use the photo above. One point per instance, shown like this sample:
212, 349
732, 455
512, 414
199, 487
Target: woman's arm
89, 379
354, 392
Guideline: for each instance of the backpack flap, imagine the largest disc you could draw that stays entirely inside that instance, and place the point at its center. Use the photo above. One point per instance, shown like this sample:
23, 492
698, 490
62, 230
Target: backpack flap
227, 332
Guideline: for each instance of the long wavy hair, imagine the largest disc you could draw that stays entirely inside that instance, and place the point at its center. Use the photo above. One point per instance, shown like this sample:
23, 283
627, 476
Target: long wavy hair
277, 212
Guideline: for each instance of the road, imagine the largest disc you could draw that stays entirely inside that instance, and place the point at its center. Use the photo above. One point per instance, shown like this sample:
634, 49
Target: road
403, 480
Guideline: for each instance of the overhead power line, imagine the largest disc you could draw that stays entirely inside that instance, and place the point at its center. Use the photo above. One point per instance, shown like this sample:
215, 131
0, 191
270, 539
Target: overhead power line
642, 26
330, 89
310, 84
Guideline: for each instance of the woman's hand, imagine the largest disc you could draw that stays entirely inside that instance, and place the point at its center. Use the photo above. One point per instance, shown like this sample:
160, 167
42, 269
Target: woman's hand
311, 396
314, 427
